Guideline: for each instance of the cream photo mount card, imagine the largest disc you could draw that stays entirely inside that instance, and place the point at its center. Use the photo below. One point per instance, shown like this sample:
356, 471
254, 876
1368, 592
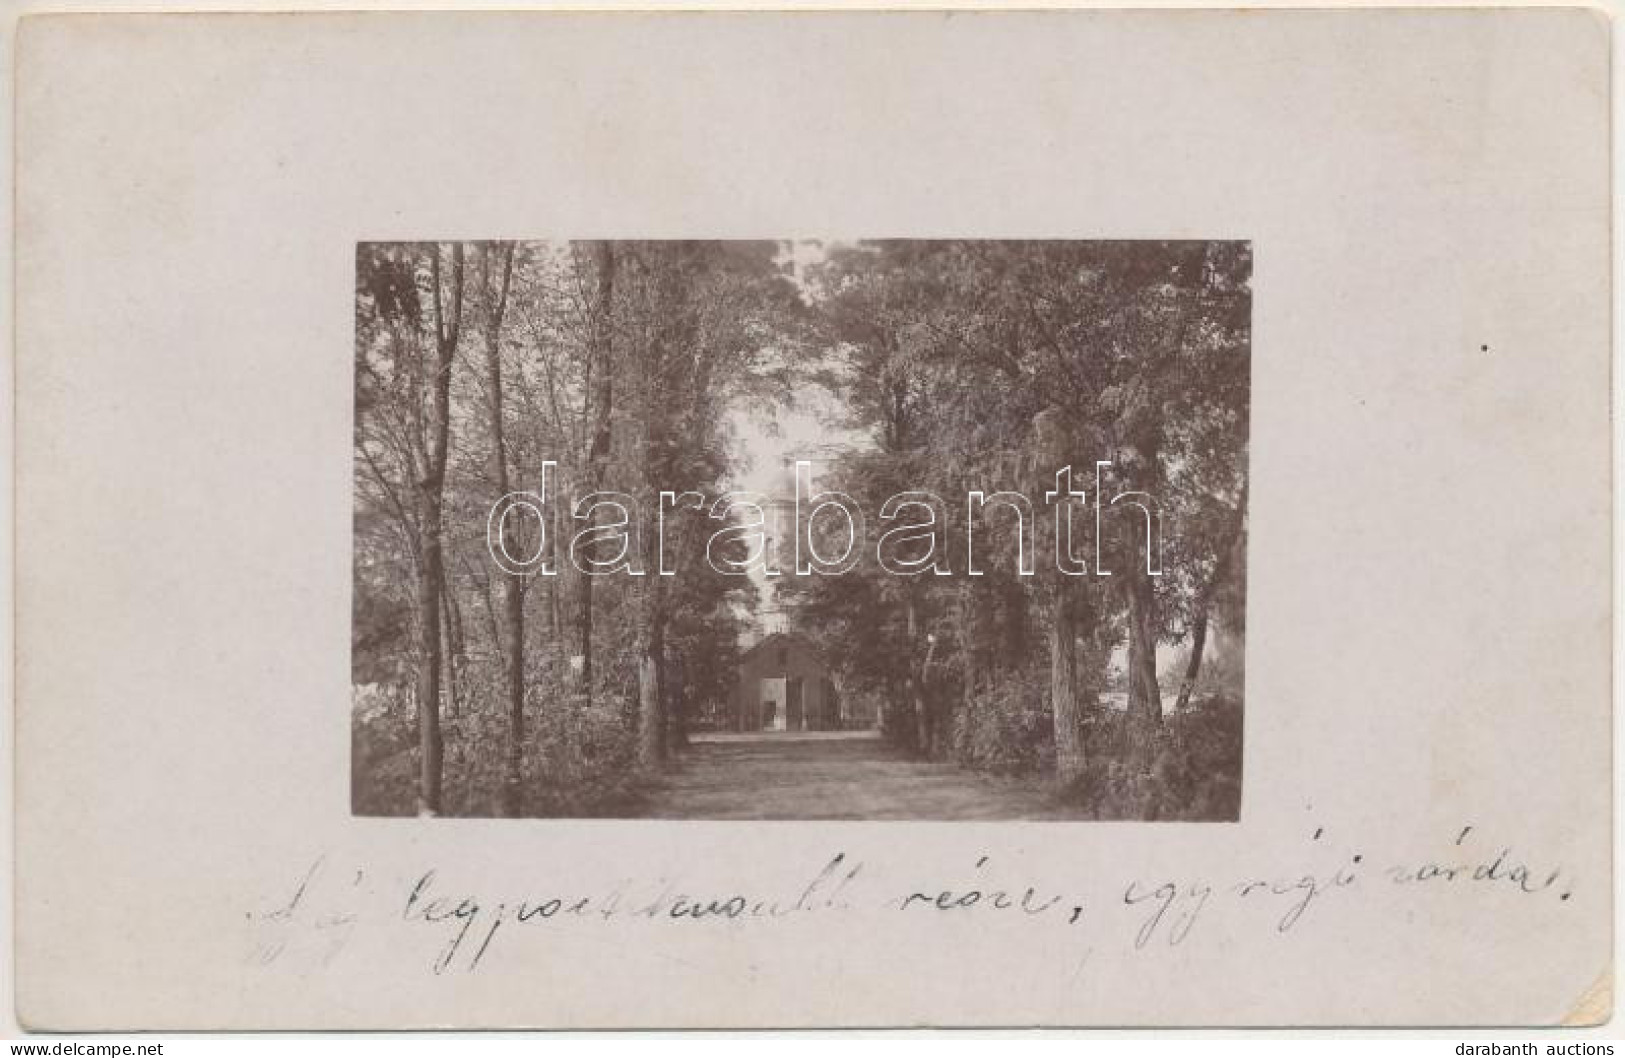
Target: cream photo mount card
789, 520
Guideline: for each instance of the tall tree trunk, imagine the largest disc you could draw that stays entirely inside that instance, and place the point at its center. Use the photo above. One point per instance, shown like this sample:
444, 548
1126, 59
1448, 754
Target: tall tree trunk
935, 717
512, 624
430, 749
584, 633
513, 686
1228, 552
555, 586
603, 401
676, 703
916, 680
455, 640
1193, 667
651, 714
1145, 696
970, 631
1063, 681
431, 483
450, 651
652, 732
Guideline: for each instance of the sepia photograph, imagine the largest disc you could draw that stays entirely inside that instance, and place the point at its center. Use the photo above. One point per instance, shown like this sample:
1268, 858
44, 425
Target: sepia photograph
800, 529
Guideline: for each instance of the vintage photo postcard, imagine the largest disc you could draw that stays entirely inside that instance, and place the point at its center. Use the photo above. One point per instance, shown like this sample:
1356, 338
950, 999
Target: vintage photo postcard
781, 520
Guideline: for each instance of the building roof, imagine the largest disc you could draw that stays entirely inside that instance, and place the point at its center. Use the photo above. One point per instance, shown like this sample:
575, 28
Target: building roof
786, 639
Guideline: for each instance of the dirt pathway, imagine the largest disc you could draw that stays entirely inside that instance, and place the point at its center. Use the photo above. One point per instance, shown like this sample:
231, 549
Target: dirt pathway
844, 776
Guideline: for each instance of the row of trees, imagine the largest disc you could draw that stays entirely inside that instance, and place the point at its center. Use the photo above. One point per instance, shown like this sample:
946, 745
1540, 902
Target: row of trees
475, 365
988, 366
969, 365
